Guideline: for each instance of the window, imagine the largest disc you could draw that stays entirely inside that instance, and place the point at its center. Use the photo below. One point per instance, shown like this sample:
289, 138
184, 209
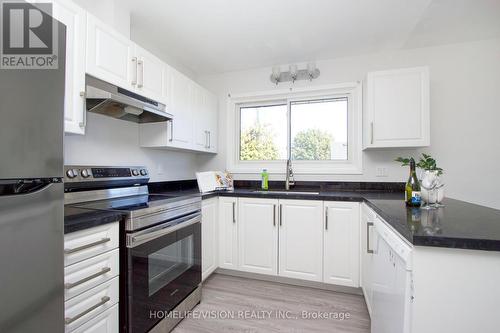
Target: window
263, 133
319, 130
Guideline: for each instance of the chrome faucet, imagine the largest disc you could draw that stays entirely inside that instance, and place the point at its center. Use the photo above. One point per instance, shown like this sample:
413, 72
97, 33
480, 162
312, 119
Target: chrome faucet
289, 181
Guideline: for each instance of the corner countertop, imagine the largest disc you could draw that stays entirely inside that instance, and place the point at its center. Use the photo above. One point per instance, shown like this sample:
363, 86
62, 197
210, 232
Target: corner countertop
459, 224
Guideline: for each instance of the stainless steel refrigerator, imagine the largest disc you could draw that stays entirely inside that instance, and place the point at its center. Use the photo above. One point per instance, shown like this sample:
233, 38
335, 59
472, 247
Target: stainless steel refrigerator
31, 197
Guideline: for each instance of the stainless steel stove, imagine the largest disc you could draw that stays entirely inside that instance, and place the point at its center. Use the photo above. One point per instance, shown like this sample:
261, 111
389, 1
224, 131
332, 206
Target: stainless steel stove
161, 242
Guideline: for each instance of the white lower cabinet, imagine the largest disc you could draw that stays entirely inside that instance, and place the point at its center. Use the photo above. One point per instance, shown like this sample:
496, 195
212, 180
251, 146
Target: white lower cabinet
85, 244
91, 279
341, 243
91, 303
301, 239
367, 220
89, 273
258, 235
228, 233
106, 322
209, 237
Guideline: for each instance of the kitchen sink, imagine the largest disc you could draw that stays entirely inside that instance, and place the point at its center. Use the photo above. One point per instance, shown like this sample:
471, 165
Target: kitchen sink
286, 192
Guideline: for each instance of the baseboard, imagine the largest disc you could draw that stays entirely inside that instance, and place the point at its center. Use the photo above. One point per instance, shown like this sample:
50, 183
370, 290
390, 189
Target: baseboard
295, 282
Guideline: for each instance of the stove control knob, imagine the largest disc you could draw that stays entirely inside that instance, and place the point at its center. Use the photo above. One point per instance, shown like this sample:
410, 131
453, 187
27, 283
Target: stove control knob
135, 172
85, 173
144, 172
71, 173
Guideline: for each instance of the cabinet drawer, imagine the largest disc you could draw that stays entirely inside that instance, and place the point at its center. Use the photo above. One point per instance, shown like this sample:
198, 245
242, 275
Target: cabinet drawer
89, 273
90, 242
91, 303
106, 322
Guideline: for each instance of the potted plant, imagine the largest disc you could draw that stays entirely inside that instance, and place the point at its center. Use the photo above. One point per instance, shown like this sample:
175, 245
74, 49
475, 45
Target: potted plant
430, 177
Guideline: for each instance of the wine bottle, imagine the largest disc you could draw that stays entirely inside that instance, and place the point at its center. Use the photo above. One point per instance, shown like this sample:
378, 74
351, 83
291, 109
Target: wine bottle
412, 193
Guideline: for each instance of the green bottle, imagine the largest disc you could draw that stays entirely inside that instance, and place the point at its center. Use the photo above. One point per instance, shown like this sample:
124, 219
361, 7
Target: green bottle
265, 179
412, 193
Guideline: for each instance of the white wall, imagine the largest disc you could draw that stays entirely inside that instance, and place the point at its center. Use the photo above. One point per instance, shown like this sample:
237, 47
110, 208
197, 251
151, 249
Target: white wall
465, 114
110, 141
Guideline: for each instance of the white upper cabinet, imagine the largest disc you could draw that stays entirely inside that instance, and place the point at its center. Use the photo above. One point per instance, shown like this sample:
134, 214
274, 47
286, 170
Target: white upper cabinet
74, 18
301, 239
200, 131
205, 125
258, 235
150, 74
212, 109
181, 102
341, 243
194, 126
110, 55
397, 108
113, 58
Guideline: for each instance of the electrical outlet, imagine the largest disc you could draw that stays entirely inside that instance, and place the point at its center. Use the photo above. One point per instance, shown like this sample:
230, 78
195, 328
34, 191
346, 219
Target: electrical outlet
381, 172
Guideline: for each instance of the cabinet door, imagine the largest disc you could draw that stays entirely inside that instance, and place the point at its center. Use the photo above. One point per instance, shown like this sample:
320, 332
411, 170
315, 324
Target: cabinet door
200, 114
208, 237
110, 56
74, 18
301, 239
341, 243
149, 74
205, 126
258, 235
367, 219
398, 108
228, 233
180, 131
212, 106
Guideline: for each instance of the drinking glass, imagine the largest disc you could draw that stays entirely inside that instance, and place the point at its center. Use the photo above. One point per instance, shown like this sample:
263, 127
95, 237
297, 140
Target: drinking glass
437, 204
429, 181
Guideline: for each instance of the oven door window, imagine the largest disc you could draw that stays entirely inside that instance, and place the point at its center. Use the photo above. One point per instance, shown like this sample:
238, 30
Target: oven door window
161, 273
170, 262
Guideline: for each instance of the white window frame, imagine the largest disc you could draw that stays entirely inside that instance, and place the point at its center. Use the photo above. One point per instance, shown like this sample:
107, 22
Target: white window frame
353, 165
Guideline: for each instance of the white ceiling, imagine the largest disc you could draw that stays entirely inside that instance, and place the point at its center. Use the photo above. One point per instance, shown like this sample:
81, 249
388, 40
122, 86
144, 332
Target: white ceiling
216, 36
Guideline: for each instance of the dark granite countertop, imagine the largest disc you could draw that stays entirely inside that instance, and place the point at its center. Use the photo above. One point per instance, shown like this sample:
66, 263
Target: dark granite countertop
457, 225
76, 218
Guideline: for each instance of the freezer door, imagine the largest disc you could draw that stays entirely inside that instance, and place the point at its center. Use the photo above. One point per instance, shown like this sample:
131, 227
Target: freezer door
32, 120
31, 259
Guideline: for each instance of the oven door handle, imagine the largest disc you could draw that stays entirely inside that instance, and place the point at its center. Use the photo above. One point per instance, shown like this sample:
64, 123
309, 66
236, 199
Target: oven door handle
145, 237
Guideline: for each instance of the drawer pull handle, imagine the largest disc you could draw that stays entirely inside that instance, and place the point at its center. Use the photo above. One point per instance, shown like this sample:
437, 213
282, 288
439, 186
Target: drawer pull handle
83, 247
103, 271
103, 301
368, 225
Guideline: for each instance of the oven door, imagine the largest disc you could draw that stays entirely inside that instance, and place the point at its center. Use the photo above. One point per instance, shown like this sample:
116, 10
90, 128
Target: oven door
164, 267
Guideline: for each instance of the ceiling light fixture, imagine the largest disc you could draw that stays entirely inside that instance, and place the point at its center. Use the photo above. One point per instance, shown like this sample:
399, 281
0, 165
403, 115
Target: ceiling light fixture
294, 74
275, 76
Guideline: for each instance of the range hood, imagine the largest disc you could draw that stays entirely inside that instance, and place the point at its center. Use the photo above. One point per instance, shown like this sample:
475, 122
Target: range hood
110, 100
